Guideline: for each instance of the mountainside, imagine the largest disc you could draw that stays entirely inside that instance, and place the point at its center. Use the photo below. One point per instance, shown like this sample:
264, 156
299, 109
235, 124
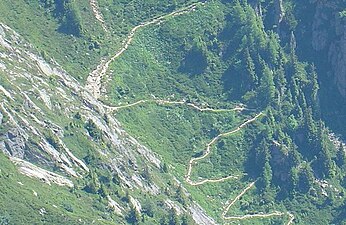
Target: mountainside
172, 112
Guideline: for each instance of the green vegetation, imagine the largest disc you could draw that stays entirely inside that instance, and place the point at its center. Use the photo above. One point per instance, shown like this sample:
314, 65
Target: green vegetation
220, 55
67, 31
229, 57
342, 14
20, 205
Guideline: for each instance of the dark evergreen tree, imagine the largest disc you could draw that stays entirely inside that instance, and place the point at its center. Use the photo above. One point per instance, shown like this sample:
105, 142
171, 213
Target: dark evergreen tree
173, 218
280, 82
72, 21
266, 90
325, 165
341, 157
313, 90
273, 47
164, 168
92, 184
250, 68
306, 178
186, 220
133, 216
181, 197
267, 176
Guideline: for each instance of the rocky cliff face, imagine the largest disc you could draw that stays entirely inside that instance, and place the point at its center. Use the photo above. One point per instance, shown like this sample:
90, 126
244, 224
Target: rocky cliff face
337, 57
321, 30
41, 106
39, 98
329, 35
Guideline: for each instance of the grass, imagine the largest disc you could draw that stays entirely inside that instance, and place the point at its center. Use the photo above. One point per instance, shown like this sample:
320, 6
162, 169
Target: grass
41, 27
20, 206
178, 133
161, 62
151, 64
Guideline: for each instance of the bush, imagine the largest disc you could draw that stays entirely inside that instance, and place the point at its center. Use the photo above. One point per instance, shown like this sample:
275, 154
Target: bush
92, 129
4, 219
68, 207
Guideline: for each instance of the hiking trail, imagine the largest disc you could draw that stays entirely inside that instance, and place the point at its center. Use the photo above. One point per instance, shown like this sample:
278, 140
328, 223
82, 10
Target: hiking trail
208, 151
94, 80
94, 86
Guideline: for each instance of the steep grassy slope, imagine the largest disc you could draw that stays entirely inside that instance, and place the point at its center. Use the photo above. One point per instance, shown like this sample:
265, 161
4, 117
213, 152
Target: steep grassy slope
27, 201
160, 51
41, 28
49, 119
221, 55
78, 42
229, 113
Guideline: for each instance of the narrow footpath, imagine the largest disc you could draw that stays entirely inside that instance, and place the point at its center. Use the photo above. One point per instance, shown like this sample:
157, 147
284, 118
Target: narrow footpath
94, 85
94, 80
208, 151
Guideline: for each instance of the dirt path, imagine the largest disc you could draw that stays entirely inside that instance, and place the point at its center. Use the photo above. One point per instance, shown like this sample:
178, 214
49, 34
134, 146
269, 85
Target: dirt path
94, 80
207, 152
93, 85
97, 13
89, 102
167, 102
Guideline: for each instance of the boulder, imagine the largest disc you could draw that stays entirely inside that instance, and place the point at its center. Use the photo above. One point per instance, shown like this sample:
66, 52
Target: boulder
14, 144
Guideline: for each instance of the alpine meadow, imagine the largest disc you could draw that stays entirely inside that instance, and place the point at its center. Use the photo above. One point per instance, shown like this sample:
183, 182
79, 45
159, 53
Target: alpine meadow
173, 112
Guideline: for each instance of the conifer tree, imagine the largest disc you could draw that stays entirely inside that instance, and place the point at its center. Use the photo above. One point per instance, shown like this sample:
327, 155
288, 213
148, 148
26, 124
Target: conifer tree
133, 216
306, 178
173, 218
280, 80
181, 197
250, 67
341, 156
326, 164
314, 88
267, 86
293, 46
186, 220
267, 176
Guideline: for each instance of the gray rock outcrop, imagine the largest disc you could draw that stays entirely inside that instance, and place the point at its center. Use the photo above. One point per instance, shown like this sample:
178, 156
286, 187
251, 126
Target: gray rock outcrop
319, 29
14, 144
329, 35
337, 57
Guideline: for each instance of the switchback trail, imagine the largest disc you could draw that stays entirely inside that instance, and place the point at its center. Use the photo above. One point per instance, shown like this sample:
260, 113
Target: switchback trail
207, 152
94, 85
94, 80
229, 205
